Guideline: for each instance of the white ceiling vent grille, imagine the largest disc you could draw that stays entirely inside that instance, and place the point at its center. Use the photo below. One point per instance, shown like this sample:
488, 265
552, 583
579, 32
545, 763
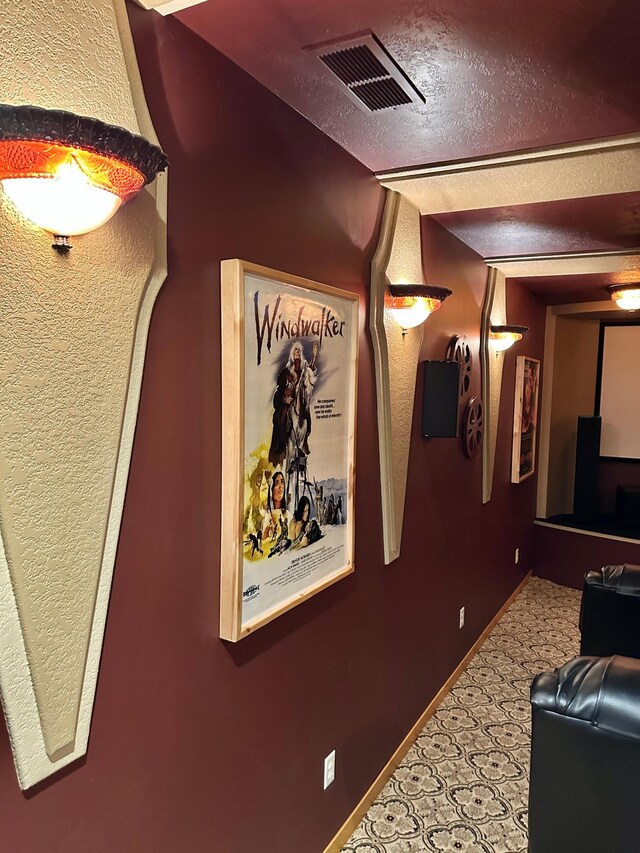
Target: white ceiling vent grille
371, 77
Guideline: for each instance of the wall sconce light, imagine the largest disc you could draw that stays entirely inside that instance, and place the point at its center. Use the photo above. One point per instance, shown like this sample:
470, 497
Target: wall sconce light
411, 304
626, 296
503, 337
69, 174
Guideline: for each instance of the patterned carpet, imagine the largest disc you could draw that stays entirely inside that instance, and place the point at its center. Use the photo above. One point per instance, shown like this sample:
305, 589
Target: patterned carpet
463, 785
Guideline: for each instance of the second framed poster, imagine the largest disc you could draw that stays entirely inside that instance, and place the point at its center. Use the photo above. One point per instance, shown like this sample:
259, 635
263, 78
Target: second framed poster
289, 376
525, 418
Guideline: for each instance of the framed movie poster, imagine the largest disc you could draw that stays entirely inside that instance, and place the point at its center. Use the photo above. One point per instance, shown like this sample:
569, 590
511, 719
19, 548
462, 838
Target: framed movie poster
525, 418
289, 373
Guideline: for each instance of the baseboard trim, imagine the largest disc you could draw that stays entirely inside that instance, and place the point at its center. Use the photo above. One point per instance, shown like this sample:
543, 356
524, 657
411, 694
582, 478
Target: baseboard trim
346, 830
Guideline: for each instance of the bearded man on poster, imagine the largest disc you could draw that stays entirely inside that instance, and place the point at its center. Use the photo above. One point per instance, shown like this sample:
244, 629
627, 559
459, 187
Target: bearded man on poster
292, 415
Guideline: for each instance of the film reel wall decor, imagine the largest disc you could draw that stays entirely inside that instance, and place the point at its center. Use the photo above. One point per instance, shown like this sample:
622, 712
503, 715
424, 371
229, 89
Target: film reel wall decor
459, 350
472, 426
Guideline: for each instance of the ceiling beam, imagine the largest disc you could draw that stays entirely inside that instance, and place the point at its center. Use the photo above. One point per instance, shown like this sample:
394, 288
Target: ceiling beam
570, 263
602, 167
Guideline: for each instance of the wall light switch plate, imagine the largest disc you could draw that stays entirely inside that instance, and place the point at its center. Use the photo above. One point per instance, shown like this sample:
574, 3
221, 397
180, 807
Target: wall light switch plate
462, 610
329, 769
517, 557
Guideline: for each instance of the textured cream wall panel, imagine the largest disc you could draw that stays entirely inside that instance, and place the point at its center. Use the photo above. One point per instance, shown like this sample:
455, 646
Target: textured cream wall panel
67, 329
575, 366
575, 171
494, 312
405, 267
65, 55
405, 259
72, 344
398, 259
404, 352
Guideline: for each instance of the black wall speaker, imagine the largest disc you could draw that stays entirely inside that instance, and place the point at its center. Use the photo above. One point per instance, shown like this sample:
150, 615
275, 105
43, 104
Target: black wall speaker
440, 400
585, 491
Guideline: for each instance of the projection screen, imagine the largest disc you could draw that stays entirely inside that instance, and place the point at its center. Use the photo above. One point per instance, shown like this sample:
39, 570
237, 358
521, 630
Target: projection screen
620, 392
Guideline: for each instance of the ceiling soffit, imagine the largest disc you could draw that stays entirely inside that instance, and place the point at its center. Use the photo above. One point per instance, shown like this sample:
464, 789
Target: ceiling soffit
599, 168
557, 290
593, 223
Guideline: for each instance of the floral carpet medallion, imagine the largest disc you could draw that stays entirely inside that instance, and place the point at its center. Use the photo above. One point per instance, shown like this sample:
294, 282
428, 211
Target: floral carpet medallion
463, 785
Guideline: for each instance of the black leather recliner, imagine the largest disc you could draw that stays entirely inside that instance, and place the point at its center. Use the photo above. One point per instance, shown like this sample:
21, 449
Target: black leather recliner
610, 612
584, 794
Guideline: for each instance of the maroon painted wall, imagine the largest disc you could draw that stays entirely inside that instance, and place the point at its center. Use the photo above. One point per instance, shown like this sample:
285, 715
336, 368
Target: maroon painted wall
564, 556
198, 745
611, 474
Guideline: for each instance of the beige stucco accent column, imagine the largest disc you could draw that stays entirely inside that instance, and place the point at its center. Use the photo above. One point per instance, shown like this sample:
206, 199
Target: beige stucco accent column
72, 343
398, 259
494, 313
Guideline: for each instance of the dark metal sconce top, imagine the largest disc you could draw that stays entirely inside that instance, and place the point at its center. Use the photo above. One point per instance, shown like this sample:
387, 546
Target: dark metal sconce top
514, 330
424, 291
58, 127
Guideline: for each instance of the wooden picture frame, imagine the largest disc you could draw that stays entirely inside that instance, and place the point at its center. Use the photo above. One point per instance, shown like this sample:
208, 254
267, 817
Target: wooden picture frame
289, 389
525, 418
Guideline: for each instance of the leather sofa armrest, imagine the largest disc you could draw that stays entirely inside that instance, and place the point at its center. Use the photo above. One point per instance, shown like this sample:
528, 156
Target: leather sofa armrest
624, 579
602, 691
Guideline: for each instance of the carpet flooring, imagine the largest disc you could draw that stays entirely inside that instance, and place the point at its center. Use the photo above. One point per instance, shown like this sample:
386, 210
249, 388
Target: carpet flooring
463, 785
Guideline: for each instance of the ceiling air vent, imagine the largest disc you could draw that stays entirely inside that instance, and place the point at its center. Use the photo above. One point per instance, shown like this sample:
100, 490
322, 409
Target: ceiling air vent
371, 76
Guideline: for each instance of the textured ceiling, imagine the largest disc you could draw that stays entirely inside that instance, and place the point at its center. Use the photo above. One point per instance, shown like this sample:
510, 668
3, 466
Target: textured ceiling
599, 223
497, 76
564, 289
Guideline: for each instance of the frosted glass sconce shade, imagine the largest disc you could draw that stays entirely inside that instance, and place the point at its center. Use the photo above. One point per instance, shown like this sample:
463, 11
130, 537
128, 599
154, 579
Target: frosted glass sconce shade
503, 337
69, 174
411, 304
626, 296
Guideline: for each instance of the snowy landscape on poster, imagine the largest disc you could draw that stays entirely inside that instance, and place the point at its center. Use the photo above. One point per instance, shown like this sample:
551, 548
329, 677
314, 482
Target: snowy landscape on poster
298, 398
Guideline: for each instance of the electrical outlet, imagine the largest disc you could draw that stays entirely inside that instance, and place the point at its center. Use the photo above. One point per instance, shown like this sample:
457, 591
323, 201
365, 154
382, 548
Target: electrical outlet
517, 557
462, 609
329, 769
